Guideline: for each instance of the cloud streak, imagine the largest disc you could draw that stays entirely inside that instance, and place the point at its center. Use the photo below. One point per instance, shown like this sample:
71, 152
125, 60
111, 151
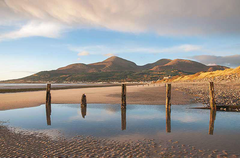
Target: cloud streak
34, 28
83, 53
231, 61
111, 50
172, 17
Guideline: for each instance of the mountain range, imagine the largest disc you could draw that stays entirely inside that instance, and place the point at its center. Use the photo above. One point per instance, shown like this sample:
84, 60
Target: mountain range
119, 69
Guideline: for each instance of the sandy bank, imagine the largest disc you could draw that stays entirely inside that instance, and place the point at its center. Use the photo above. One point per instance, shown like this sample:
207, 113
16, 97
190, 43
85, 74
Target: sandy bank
149, 95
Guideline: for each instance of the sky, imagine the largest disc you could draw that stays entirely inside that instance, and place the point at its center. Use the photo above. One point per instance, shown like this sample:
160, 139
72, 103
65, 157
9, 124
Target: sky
41, 35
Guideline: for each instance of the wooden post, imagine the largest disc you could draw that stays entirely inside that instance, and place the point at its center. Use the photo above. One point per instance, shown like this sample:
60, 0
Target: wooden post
48, 94
168, 96
123, 118
211, 93
124, 102
84, 100
84, 105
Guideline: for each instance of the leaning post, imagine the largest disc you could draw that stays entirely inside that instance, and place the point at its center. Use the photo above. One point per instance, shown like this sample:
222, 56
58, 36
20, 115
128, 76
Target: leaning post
168, 96
211, 93
48, 94
124, 103
84, 100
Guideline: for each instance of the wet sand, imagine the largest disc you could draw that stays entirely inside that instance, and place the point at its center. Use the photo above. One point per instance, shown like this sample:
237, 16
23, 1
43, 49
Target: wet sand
144, 95
22, 144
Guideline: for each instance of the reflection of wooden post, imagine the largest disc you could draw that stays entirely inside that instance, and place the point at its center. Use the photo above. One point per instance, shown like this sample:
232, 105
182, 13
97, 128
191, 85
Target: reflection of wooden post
123, 118
168, 96
48, 104
211, 122
212, 101
84, 105
124, 103
48, 114
83, 111
168, 120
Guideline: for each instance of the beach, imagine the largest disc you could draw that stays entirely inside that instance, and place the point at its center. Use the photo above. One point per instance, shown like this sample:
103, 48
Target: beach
144, 95
22, 142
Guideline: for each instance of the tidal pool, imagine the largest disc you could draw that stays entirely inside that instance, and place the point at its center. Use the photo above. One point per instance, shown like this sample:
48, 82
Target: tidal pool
201, 128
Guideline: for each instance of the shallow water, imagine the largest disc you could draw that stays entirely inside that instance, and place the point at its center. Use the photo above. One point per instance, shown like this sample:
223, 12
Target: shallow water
188, 126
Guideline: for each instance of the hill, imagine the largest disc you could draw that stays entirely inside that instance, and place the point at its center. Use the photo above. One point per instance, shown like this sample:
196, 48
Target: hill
118, 69
229, 75
186, 66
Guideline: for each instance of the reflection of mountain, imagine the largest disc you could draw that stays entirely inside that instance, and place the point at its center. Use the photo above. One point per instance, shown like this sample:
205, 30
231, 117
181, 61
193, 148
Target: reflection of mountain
118, 69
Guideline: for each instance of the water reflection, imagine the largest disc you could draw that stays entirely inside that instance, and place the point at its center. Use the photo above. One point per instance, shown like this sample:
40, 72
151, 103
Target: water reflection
168, 120
84, 105
123, 118
84, 110
211, 122
48, 113
48, 104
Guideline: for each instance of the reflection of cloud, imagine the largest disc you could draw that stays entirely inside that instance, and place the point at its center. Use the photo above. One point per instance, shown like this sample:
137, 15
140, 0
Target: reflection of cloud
186, 119
93, 116
52, 133
146, 116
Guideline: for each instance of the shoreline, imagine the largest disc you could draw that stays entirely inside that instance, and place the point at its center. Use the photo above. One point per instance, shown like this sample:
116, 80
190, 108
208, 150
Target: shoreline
144, 95
55, 87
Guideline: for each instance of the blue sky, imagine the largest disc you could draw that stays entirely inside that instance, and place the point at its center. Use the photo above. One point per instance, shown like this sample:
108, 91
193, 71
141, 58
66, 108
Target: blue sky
37, 35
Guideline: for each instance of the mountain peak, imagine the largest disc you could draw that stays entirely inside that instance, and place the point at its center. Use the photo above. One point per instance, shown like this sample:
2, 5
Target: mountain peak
113, 58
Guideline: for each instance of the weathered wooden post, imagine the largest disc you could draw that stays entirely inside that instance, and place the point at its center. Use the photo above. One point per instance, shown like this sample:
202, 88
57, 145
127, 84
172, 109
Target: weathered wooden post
84, 105
84, 100
168, 96
211, 122
123, 118
124, 90
48, 94
211, 93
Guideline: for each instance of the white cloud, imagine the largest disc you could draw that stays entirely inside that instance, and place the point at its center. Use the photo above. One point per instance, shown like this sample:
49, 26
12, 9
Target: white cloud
83, 53
165, 17
189, 48
113, 50
34, 28
109, 54
231, 61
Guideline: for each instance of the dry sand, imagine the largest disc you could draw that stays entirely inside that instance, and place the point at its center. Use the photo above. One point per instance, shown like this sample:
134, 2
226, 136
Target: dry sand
148, 95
